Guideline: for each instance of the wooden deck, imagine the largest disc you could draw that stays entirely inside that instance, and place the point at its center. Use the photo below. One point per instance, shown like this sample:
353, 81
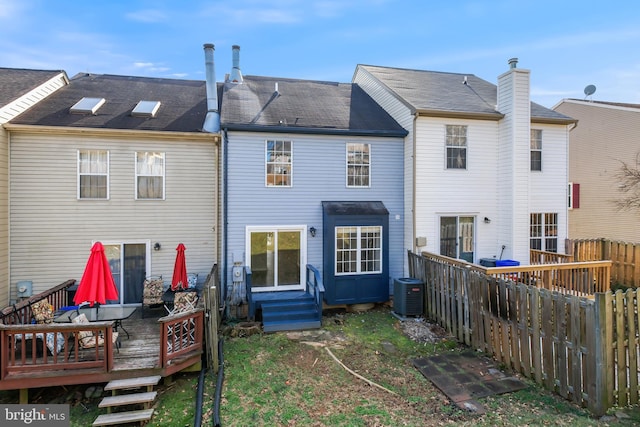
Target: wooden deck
155, 346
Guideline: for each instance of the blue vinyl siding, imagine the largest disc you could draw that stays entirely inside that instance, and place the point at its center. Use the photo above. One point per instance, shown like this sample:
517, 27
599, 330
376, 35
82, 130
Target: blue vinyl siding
319, 174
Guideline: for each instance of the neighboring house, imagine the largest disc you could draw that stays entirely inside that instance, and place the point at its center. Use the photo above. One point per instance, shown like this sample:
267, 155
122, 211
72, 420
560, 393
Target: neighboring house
314, 176
607, 135
19, 90
117, 159
485, 168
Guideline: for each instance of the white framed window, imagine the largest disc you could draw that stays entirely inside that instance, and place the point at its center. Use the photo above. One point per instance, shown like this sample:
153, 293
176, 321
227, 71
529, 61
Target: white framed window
277, 257
93, 174
358, 250
150, 175
278, 163
536, 149
358, 165
543, 231
456, 146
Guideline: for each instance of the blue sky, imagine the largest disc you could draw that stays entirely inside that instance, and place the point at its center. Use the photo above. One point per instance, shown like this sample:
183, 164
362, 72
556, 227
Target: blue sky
566, 44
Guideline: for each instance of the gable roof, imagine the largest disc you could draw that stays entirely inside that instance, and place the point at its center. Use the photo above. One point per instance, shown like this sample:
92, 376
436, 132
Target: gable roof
16, 82
270, 104
601, 104
183, 104
442, 93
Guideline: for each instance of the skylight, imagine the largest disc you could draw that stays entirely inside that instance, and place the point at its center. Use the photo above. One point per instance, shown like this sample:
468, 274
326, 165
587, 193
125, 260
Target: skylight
146, 109
87, 106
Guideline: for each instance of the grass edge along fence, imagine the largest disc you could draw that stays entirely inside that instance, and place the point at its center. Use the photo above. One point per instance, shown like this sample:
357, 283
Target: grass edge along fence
585, 349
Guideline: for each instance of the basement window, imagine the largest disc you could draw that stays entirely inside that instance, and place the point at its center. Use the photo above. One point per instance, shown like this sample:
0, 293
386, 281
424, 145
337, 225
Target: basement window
146, 109
87, 106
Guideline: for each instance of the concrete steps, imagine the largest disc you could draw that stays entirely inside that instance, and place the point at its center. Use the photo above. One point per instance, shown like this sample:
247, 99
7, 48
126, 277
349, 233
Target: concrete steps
145, 398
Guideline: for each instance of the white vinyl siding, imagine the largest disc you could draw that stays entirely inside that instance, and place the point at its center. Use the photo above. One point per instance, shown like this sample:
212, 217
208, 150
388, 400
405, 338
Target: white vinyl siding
472, 193
52, 231
8, 112
402, 114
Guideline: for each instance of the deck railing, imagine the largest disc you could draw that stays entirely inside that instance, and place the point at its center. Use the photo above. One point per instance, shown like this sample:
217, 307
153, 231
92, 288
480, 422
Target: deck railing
56, 347
315, 287
543, 257
21, 314
571, 278
180, 336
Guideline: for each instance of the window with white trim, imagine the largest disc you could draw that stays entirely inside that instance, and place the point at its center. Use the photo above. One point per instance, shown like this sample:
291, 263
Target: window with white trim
536, 149
358, 250
93, 174
543, 231
456, 146
277, 257
278, 163
358, 165
150, 175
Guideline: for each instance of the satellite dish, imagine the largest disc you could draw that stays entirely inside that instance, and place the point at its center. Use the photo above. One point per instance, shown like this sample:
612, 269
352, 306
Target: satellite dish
589, 90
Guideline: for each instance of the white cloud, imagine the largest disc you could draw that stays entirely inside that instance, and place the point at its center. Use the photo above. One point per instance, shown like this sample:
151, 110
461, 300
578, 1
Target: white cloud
9, 9
147, 15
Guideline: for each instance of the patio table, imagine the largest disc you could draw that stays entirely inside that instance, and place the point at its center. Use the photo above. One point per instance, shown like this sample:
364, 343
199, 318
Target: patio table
116, 313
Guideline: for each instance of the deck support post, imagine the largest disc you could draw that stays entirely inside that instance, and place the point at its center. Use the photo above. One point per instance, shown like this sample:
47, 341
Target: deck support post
24, 396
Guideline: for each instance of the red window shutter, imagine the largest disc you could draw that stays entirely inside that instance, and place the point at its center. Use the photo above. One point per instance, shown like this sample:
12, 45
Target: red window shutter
576, 196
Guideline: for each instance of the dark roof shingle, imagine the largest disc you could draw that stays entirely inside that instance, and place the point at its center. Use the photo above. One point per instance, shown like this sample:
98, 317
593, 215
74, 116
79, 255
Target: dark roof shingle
183, 104
435, 91
303, 106
16, 82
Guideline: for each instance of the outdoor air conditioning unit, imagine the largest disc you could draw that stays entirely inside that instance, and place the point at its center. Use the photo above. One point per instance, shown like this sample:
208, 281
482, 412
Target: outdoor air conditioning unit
408, 296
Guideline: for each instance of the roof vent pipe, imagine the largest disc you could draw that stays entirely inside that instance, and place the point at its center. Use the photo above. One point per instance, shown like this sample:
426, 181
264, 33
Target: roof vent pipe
212, 120
513, 62
236, 75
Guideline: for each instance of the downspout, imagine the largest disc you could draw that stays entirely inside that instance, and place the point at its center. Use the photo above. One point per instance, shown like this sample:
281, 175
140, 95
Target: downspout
225, 222
413, 185
9, 218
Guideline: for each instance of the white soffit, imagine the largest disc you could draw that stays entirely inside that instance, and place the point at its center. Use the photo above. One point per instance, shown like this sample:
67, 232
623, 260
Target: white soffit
146, 109
87, 106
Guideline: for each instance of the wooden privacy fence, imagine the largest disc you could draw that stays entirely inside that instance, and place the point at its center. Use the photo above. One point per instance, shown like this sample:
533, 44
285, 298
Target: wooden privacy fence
586, 350
624, 257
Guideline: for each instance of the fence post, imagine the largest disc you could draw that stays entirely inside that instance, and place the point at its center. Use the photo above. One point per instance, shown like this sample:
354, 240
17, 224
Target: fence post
599, 395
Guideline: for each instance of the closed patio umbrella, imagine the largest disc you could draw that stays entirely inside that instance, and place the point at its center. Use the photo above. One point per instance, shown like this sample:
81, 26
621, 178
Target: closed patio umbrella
97, 284
179, 279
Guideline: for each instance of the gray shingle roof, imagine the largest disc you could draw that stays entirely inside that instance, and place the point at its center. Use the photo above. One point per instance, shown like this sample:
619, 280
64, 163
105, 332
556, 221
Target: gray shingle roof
303, 106
442, 92
16, 82
183, 104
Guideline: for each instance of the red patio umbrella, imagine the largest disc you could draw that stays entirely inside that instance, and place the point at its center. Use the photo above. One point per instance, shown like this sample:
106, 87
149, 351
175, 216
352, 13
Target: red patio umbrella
180, 270
97, 284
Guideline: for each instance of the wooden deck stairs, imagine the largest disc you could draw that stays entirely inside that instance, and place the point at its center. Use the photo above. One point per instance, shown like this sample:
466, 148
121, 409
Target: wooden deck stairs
144, 398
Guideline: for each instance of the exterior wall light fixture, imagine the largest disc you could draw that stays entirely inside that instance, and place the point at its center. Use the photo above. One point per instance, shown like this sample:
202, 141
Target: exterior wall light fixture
312, 230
